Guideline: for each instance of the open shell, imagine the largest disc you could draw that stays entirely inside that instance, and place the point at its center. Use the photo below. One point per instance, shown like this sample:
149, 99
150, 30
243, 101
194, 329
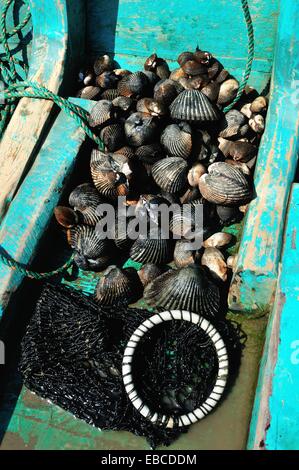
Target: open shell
109, 174
91, 251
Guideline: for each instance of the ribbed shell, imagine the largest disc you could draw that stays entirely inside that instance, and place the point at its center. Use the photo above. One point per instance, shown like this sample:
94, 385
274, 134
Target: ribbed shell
85, 241
225, 184
170, 174
126, 151
84, 196
140, 129
150, 154
193, 106
101, 113
151, 250
133, 85
113, 136
110, 94
177, 140
185, 289
188, 222
107, 174
118, 286
121, 237
90, 215
183, 256
89, 92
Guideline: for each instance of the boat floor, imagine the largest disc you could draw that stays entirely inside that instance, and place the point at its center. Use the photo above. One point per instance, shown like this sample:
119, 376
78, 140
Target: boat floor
29, 422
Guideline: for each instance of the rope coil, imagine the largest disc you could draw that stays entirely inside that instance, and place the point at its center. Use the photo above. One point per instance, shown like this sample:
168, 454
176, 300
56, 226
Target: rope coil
15, 90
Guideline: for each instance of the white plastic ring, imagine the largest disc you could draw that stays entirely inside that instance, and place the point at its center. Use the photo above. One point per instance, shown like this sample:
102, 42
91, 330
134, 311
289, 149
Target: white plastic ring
218, 389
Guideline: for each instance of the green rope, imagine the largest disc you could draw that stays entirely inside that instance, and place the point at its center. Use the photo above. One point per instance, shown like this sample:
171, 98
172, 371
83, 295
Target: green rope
250, 33
8, 62
29, 89
39, 92
11, 263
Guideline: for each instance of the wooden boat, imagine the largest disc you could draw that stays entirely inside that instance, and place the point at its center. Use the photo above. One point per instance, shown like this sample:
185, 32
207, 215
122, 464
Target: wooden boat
131, 31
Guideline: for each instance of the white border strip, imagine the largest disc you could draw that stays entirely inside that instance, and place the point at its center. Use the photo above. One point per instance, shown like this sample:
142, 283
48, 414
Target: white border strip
216, 394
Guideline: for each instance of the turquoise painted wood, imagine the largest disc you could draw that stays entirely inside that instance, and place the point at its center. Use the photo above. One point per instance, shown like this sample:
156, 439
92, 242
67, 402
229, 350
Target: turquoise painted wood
53, 41
255, 277
275, 419
32, 208
132, 30
20, 44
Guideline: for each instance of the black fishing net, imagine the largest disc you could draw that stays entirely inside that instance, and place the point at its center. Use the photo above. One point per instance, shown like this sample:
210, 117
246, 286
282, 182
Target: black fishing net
72, 355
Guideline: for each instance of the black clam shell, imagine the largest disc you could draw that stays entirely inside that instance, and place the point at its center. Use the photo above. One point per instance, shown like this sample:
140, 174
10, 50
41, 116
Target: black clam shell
89, 93
91, 251
118, 286
166, 91
133, 85
103, 63
225, 184
177, 140
193, 106
170, 174
101, 113
109, 174
84, 196
152, 250
149, 272
110, 94
141, 129
183, 254
186, 288
113, 136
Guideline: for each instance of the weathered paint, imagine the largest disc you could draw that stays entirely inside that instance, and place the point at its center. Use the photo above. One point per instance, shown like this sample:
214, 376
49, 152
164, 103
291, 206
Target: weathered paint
20, 44
25, 130
37, 424
275, 418
132, 30
255, 277
150, 40
32, 207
